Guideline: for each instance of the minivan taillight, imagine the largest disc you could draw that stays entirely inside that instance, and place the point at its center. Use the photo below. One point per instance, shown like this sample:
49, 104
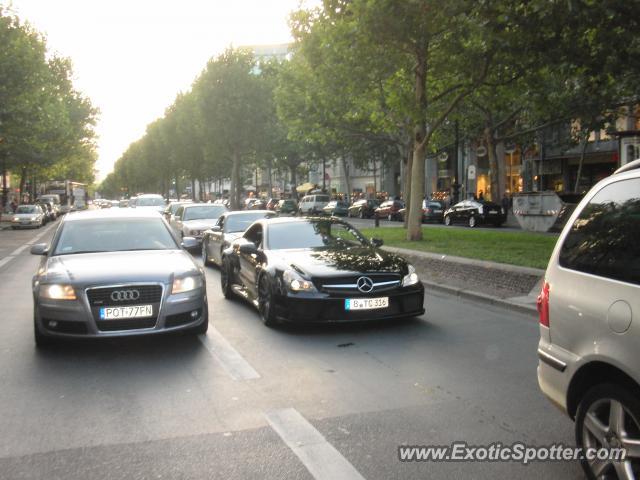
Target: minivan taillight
543, 305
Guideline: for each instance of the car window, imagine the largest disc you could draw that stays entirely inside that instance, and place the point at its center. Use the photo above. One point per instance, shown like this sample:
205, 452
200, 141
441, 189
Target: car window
254, 234
603, 240
25, 209
109, 235
203, 212
322, 198
239, 223
313, 234
150, 202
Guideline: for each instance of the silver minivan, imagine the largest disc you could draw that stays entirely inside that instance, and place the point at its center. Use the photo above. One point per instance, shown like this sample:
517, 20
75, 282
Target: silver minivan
313, 204
589, 309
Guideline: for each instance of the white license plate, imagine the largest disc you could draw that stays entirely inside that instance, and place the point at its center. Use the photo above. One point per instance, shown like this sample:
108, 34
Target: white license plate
366, 303
132, 311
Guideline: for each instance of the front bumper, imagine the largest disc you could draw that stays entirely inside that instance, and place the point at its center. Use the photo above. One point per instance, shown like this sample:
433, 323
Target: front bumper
75, 319
324, 308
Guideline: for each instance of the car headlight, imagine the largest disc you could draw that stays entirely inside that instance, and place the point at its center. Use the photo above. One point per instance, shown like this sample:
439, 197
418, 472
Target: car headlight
57, 291
16, 219
186, 284
296, 283
411, 278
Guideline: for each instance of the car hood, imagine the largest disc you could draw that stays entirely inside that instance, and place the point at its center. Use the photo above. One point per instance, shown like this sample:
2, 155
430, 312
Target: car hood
203, 224
117, 267
334, 262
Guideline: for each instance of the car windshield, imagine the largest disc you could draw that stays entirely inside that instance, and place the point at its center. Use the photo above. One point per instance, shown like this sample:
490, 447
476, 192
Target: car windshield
26, 209
150, 202
313, 234
239, 223
112, 235
203, 212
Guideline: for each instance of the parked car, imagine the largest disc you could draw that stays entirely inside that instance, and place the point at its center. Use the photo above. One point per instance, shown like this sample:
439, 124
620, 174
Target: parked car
317, 270
313, 204
229, 226
116, 273
223, 201
27, 216
54, 199
390, 209
48, 209
475, 212
257, 204
287, 205
191, 220
363, 208
589, 362
124, 203
432, 211
336, 208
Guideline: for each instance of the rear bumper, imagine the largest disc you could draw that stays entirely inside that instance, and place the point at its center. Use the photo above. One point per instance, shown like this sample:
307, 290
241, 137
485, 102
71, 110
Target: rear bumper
322, 308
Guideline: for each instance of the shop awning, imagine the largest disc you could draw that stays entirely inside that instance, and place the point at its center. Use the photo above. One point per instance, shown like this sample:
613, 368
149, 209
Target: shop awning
305, 187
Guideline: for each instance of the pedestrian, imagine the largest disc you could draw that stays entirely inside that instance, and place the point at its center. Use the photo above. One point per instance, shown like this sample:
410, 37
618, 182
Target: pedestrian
481, 196
505, 205
13, 206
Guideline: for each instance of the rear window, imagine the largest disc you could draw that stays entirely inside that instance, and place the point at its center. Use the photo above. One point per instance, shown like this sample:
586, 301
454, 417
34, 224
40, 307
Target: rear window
150, 202
203, 212
603, 240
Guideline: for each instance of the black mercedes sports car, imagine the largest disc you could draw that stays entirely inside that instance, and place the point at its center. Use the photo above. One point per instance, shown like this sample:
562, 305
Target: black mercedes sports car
318, 270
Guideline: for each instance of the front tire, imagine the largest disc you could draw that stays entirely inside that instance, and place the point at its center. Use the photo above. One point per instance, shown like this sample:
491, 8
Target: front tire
447, 220
265, 302
361, 214
225, 279
205, 257
609, 417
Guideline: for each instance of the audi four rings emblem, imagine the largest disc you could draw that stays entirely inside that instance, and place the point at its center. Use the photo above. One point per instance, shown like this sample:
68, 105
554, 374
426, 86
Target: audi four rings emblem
123, 295
364, 284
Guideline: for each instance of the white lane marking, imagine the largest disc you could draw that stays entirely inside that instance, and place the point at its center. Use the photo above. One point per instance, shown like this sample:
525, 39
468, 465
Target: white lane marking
321, 458
236, 366
19, 250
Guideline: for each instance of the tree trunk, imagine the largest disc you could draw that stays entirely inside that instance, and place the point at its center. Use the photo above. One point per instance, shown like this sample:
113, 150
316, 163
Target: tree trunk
294, 181
583, 151
23, 182
407, 185
234, 192
4, 184
269, 178
414, 228
494, 171
347, 178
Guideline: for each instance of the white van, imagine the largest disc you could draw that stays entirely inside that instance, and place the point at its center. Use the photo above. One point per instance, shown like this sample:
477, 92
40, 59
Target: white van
313, 204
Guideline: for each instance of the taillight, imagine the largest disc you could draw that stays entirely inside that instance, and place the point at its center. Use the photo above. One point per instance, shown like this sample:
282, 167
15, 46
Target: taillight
543, 305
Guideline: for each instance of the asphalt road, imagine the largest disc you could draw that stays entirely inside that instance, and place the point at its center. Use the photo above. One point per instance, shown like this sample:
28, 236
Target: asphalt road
249, 402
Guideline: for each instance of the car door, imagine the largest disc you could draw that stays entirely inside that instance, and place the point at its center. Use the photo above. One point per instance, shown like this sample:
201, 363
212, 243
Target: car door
249, 262
216, 239
594, 277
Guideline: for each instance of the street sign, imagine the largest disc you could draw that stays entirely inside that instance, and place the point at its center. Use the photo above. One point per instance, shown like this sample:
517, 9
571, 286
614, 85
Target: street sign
443, 157
471, 172
510, 148
481, 151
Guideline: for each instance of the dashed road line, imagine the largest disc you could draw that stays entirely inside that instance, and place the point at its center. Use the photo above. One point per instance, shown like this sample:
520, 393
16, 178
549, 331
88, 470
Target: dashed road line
236, 366
19, 250
321, 458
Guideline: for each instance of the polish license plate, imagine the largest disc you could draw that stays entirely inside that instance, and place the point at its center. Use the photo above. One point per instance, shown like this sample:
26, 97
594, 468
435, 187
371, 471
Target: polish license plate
132, 311
366, 303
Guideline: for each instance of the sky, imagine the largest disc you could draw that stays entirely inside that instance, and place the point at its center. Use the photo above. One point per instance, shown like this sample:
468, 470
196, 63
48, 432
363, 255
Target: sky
132, 57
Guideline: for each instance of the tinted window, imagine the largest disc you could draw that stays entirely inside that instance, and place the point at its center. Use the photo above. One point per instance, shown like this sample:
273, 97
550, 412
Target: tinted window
26, 209
604, 239
239, 223
312, 235
203, 212
108, 235
322, 198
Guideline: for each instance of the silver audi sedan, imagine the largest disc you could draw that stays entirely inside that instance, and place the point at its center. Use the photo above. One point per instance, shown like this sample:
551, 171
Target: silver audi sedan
112, 273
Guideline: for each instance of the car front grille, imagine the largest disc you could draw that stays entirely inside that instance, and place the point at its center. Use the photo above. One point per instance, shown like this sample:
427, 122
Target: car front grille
348, 284
101, 296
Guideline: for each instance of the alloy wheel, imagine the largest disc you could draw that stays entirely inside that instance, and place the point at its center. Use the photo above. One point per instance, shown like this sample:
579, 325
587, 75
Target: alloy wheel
472, 221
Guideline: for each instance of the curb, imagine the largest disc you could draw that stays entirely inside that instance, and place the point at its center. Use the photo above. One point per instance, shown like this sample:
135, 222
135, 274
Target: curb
481, 297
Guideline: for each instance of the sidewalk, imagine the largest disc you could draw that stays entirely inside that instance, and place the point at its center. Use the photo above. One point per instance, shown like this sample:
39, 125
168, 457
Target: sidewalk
509, 286
5, 221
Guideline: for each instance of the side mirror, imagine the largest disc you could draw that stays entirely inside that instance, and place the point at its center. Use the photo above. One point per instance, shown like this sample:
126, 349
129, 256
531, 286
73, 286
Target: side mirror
248, 248
39, 249
189, 243
216, 228
377, 242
